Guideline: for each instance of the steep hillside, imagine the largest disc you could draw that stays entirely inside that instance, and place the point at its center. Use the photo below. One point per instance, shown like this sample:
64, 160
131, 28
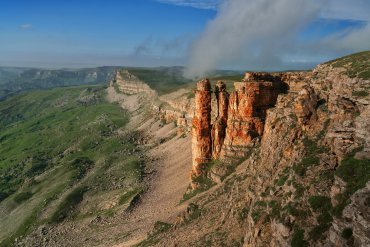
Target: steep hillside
278, 159
300, 180
58, 147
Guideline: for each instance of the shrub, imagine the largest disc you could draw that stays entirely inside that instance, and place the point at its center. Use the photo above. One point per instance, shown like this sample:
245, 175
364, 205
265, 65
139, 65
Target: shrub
347, 233
81, 166
320, 203
360, 93
125, 198
23, 196
298, 238
317, 232
160, 227
355, 173
68, 204
281, 180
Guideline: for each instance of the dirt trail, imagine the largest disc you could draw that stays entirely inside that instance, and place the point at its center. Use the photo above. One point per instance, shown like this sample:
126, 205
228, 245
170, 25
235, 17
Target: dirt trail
172, 165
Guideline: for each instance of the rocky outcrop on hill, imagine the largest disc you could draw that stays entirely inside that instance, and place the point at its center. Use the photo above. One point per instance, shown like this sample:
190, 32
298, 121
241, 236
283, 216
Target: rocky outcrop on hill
239, 117
201, 127
247, 111
129, 84
305, 181
220, 123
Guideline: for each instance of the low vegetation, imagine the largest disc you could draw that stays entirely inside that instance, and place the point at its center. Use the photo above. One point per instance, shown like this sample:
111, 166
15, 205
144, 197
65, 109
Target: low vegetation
60, 146
68, 205
357, 65
356, 173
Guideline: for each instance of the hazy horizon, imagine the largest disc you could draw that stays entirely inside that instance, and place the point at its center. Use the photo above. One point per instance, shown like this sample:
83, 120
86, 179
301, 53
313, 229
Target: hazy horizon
200, 35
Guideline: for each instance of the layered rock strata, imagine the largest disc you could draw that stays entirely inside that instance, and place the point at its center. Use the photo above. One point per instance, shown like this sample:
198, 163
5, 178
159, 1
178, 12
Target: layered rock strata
130, 84
201, 127
239, 118
247, 111
220, 123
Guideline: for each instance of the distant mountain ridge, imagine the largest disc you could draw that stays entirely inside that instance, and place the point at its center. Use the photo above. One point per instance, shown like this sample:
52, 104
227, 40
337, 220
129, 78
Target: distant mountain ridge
17, 79
14, 80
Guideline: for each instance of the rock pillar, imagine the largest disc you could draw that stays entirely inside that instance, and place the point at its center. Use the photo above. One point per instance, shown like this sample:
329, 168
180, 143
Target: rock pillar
219, 126
201, 127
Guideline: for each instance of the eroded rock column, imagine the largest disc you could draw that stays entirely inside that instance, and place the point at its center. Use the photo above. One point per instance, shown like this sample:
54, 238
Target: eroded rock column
219, 126
247, 111
201, 127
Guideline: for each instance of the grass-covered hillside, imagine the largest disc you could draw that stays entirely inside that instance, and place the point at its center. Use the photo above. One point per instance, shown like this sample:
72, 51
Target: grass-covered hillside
15, 80
168, 79
356, 65
57, 149
162, 79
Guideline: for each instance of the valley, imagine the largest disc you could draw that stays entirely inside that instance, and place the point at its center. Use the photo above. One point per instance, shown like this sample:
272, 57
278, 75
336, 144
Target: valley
265, 159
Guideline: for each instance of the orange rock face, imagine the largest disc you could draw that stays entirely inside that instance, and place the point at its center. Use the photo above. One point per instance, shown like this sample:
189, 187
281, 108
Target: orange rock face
247, 111
219, 126
201, 127
240, 117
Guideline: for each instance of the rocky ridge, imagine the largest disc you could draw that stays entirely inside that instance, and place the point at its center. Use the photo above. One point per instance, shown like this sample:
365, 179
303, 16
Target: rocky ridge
304, 176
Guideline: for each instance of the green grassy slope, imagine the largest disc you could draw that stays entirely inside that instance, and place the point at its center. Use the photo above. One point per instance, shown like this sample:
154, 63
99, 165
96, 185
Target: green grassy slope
168, 79
356, 65
163, 80
58, 147
15, 80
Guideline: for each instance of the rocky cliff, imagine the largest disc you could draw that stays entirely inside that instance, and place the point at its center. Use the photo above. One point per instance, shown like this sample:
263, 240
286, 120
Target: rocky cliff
201, 127
304, 179
129, 84
239, 117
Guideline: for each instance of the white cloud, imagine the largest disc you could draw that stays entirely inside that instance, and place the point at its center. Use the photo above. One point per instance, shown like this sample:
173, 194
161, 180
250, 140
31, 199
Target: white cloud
346, 9
200, 4
251, 33
26, 26
263, 35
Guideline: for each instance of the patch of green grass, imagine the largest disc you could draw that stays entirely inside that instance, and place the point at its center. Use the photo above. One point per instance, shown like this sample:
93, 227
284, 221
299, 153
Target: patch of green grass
298, 238
320, 203
38, 127
22, 230
203, 184
281, 181
163, 80
294, 211
311, 158
49, 141
68, 205
81, 166
153, 238
300, 189
243, 213
360, 93
22, 196
127, 197
357, 65
356, 173
318, 231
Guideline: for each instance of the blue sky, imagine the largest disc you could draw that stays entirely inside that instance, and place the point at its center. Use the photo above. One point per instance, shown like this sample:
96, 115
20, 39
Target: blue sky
81, 33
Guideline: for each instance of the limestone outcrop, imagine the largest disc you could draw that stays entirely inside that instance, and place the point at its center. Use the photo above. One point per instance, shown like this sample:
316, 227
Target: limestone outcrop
239, 117
201, 127
220, 123
247, 111
129, 84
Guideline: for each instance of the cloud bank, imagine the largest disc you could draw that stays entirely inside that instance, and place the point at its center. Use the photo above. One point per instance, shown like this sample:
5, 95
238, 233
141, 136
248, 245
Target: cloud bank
265, 35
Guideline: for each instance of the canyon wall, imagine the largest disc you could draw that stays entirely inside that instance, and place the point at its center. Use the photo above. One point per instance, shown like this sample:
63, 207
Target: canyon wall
239, 117
129, 84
